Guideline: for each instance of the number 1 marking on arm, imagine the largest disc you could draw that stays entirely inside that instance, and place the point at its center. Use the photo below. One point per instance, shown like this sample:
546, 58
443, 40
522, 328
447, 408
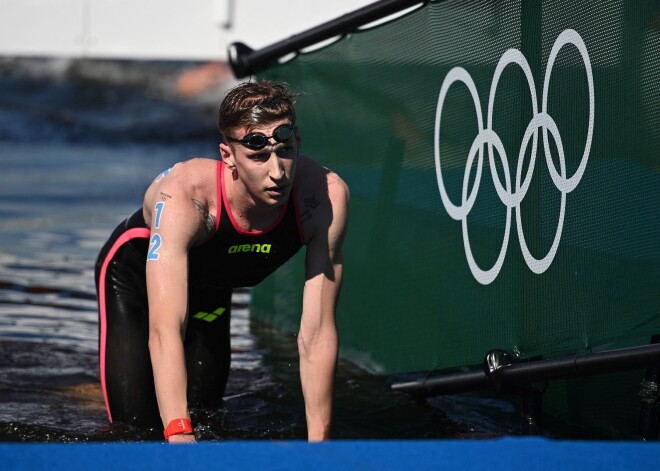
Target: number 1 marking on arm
159, 212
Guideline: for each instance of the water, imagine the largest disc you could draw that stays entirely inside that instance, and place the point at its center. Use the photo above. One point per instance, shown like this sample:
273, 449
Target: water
79, 141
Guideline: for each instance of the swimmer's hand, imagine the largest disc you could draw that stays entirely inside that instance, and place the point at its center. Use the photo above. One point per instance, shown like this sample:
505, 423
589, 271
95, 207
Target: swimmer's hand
182, 438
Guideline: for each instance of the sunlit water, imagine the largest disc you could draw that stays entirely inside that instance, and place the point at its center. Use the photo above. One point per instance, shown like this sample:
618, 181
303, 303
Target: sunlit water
78, 144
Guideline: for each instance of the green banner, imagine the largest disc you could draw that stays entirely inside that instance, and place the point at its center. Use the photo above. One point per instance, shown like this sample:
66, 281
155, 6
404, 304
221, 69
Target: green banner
504, 165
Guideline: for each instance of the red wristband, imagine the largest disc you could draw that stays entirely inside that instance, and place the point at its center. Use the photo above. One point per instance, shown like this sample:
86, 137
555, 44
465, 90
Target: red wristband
177, 427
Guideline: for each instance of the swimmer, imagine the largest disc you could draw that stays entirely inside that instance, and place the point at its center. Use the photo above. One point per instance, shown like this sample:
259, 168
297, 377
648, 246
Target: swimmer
165, 277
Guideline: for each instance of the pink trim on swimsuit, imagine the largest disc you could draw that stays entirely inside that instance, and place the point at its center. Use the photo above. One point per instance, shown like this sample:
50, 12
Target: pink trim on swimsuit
218, 199
138, 232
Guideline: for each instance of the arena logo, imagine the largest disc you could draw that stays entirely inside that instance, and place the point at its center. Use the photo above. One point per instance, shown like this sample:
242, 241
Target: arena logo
262, 248
488, 137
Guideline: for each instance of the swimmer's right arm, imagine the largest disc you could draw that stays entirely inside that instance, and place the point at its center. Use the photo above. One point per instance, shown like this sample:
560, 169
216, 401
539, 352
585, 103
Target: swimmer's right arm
174, 225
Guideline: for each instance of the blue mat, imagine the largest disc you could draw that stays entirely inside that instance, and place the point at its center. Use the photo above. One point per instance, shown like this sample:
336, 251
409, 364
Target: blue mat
524, 454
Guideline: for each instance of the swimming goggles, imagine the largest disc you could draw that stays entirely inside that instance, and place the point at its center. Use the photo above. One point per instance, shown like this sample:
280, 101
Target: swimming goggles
258, 140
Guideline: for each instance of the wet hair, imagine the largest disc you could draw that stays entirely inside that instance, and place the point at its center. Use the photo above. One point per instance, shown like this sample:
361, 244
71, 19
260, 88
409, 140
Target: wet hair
252, 104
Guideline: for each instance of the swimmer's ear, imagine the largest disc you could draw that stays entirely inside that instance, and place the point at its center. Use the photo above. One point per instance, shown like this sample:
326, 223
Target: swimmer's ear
227, 155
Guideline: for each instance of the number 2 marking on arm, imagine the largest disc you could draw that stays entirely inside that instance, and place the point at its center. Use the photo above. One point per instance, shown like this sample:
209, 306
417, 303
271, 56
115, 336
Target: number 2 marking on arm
155, 245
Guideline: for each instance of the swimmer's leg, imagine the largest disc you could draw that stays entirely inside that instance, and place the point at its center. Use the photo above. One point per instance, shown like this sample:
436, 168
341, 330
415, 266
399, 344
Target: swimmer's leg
207, 345
124, 360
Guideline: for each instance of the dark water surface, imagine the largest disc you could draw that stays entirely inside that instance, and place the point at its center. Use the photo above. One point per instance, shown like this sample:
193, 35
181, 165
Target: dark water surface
79, 142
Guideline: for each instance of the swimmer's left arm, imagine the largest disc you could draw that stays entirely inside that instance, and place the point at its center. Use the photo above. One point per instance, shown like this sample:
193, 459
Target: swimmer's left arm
317, 339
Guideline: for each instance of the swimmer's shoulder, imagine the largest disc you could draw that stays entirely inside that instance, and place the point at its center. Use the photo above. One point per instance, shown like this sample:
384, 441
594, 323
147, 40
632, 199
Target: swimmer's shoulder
323, 197
191, 179
187, 175
312, 177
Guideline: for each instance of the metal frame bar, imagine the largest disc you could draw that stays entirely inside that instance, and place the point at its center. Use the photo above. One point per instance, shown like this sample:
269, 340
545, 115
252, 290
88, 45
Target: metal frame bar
245, 61
537, 371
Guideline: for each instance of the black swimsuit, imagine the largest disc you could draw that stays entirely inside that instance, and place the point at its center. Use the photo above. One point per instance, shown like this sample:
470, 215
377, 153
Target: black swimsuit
231, 258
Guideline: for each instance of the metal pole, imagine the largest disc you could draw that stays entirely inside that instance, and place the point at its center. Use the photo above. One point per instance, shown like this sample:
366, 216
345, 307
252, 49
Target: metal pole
245, 61
648, 425
538, 371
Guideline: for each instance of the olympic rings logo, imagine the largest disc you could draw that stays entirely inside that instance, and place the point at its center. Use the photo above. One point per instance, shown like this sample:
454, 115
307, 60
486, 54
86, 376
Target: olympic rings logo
487, 136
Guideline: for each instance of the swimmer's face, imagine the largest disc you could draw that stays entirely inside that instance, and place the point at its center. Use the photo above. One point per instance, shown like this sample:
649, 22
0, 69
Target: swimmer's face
266, 174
